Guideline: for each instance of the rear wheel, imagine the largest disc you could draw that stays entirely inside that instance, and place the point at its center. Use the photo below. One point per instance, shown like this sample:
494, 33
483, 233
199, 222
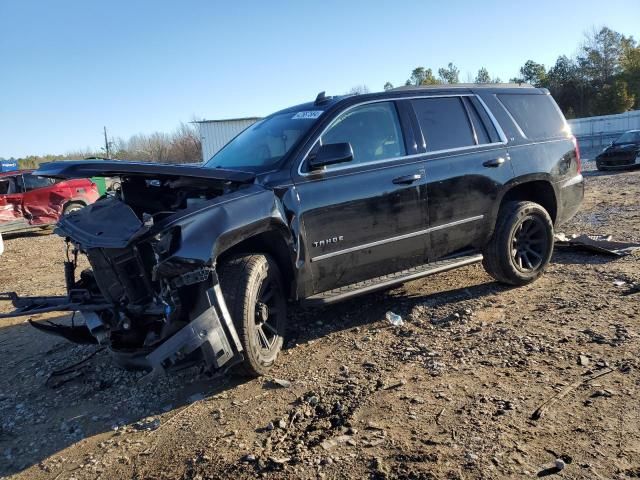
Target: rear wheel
254, 292
522, 244
72, 207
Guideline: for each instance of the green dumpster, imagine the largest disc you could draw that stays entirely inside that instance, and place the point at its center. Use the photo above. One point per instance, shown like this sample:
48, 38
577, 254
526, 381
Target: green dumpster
101, 184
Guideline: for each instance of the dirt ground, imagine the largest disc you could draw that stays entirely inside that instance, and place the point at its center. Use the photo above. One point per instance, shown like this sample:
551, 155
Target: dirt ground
448, 395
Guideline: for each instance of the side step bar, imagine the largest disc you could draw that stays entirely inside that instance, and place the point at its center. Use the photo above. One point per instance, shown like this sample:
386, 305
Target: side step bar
386, 281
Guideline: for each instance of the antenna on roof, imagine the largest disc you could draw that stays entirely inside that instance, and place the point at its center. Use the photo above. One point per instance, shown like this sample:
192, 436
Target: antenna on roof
321, 98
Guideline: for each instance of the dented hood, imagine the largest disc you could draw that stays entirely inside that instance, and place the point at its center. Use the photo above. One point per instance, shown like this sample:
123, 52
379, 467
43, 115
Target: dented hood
117, 168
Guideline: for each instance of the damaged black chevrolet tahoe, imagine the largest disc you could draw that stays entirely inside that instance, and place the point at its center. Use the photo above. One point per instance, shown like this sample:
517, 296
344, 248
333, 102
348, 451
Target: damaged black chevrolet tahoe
315, 203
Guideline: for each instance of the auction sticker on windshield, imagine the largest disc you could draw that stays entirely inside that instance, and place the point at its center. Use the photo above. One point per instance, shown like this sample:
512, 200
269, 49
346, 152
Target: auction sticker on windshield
307, 114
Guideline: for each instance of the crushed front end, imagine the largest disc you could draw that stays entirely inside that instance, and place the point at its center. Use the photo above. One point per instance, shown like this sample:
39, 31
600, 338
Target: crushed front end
144, 296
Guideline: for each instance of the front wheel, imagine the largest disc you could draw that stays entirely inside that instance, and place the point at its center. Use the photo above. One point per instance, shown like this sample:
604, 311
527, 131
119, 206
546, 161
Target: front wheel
254, 292
521, 245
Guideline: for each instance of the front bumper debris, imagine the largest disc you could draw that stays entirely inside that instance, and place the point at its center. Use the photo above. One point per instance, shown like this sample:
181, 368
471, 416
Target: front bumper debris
212, 331
75, 301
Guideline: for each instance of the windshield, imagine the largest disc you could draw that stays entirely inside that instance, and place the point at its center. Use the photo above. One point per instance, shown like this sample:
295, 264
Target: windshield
629, 137
266, 142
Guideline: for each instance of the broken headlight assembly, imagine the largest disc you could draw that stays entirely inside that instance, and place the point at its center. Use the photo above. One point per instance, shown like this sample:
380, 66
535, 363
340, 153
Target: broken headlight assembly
166, 242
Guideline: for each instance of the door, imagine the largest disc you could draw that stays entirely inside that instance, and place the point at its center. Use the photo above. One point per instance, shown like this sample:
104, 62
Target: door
43, 200
364, 218
466, 165
11, 214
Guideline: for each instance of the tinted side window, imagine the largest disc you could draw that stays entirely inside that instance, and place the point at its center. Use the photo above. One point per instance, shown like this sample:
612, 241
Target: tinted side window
444, 123
31, 182
373, 131
537, 115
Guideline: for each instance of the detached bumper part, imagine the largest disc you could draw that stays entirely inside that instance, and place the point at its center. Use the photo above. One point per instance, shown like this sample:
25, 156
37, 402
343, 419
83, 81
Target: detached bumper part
208, 332
34, 305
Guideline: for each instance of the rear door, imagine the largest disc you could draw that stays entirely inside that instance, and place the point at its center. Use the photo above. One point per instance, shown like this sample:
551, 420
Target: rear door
43, 199
364, 218
466, 165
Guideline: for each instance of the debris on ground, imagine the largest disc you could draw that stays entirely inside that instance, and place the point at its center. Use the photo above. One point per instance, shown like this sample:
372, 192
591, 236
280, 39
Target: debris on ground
596, 243
394, 319
542, 409
278, 383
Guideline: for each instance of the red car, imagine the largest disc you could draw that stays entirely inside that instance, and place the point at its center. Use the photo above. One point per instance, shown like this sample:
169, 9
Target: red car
28, 201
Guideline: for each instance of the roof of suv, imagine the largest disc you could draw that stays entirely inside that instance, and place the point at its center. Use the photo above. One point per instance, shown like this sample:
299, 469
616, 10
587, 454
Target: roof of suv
327, 102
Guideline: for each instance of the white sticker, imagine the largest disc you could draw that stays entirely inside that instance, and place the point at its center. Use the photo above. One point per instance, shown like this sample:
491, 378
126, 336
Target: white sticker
307, 115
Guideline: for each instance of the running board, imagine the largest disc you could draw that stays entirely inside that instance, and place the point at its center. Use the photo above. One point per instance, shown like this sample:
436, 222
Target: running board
386, 281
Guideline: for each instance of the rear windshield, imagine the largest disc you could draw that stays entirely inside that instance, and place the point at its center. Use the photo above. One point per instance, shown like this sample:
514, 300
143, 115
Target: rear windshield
537, 115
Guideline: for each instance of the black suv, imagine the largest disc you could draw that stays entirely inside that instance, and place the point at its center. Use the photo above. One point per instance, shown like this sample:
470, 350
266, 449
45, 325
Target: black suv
315, 203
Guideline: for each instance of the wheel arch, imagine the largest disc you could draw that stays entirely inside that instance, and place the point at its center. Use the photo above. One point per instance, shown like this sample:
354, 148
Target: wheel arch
273, 242
533, 189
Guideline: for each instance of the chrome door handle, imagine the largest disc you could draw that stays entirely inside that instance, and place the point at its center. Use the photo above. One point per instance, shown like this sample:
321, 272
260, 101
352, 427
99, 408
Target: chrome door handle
496, 162
407, 179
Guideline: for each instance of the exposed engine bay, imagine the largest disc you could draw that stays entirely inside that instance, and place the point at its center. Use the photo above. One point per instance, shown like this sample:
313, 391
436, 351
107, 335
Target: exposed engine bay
143, 296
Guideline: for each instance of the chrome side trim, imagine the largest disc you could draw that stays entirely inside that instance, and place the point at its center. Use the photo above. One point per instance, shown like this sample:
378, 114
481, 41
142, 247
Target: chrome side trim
497, 126
395, 239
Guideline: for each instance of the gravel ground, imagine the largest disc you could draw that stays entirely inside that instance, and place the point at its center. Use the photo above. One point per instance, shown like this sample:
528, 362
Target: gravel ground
450, 394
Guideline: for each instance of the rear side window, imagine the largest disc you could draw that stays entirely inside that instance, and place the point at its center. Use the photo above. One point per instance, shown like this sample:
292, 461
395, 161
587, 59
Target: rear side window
537, 115
31, 182
444, 123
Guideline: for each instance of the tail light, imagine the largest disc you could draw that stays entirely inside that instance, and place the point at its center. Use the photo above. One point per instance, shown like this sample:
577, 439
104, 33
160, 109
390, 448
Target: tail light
576, 147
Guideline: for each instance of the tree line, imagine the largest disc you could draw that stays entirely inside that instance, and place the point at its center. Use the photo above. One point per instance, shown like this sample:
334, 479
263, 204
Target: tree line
602, 78
181, 146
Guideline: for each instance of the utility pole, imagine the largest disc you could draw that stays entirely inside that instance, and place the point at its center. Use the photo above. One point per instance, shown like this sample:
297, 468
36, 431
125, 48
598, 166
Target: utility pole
106, 144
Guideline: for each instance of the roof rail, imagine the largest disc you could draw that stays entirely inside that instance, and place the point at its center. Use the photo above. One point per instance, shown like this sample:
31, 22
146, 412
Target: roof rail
464, 85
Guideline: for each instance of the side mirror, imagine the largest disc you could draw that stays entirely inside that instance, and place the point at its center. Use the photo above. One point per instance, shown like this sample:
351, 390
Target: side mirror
331, 154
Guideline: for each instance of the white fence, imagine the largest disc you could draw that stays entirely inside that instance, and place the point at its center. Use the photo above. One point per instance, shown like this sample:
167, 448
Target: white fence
595, 133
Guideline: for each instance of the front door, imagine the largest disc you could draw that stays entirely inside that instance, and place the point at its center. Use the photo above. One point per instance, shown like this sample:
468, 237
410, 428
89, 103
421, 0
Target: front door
367, 217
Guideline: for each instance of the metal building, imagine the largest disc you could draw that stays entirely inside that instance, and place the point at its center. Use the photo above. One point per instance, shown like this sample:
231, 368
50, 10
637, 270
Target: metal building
215, 134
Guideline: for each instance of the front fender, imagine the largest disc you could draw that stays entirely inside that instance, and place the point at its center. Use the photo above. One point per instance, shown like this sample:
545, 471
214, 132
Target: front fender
207, 233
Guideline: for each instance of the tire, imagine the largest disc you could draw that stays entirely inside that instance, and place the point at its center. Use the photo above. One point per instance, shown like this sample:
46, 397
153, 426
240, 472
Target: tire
254, 292
521, 245
72, 207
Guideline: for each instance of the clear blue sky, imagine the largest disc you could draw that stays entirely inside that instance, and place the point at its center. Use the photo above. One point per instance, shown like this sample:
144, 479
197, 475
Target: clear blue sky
69, 67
